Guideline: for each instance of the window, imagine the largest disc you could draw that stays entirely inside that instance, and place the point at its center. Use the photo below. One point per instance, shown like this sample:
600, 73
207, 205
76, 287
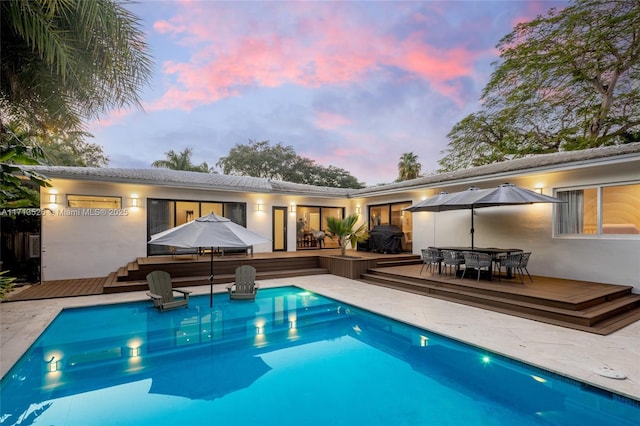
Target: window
93, 202
599, 210
394, 214
311, 219
166, 214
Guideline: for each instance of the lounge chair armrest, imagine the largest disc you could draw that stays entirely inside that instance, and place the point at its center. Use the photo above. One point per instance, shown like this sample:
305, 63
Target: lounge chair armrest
154, 296
256, 285
182, 291
229, 286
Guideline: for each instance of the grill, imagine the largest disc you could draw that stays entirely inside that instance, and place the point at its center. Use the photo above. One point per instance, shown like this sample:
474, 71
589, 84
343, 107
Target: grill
385, 239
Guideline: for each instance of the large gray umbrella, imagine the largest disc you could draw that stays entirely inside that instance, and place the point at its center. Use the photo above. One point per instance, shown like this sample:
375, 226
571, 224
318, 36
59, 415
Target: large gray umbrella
473, 198
208, 231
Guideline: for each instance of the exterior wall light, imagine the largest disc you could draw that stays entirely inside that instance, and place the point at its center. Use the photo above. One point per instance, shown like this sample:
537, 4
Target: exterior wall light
260, 206
538, 188
53, 198
292, 207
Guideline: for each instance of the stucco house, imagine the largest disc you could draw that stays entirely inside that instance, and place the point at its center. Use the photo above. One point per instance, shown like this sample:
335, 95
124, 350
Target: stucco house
96, 220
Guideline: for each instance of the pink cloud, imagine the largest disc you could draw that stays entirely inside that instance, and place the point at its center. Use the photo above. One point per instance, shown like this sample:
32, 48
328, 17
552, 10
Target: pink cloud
328, 121
231, 51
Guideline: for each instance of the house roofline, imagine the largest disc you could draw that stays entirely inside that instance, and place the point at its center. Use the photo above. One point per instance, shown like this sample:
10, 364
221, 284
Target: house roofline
469, 176
561, 161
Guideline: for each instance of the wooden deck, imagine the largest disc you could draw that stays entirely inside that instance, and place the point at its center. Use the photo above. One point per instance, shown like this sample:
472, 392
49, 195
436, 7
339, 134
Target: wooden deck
593, 307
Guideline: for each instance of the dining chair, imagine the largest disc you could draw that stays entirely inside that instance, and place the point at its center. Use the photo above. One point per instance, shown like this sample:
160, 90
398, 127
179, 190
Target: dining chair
452, 259
430, 258
509, 261
523, 265
477, 261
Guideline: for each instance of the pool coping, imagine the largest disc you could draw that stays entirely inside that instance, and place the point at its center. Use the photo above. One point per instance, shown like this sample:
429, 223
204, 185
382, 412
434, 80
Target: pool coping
571, 353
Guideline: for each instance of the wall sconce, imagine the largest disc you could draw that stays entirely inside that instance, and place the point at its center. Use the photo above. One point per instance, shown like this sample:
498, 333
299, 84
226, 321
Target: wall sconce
134, 352
259, 330
53, 198
135, 201
292, 207
538, 188
260, 206
53, 365
357, 209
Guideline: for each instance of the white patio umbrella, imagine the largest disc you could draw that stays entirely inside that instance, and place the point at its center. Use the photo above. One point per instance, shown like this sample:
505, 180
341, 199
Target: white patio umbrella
473, 198
208, 231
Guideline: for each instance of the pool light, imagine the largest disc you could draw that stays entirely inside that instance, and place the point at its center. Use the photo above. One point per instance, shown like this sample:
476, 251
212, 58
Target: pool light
538, 379
53, 365
424, 341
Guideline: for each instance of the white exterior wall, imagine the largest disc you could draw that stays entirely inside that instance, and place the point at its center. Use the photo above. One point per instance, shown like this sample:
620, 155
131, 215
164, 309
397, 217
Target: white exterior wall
88, 246
610, 259
93, 246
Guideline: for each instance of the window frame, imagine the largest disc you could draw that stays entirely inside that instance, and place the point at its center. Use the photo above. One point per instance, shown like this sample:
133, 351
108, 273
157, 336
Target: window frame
157, 250
300, 212
115, 198
599, 189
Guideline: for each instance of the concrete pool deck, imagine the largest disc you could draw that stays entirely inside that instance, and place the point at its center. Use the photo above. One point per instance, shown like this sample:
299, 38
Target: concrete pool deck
572, 353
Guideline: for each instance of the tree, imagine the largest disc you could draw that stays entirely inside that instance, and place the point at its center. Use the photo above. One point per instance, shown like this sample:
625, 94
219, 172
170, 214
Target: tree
180, 161
565, 81
14, 192
63, 61
22, 146
408, 167
74, 150
331, 176
344, 230
260, 159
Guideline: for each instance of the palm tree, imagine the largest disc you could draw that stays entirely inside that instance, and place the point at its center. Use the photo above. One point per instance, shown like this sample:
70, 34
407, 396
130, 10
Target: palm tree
65, 61
408, 167
180, 161
343, 229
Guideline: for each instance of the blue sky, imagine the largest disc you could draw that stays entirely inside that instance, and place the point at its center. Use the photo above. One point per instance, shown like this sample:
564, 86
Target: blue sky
348, 84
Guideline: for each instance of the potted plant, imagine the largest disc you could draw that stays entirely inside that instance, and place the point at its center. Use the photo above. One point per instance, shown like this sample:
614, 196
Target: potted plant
344, 230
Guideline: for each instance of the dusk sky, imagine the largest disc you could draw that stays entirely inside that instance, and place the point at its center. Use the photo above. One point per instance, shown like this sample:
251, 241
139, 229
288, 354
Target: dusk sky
348, 84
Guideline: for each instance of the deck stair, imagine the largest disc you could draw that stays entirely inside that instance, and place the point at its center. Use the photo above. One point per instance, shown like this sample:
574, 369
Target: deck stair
400, 261
600, 311
192, 271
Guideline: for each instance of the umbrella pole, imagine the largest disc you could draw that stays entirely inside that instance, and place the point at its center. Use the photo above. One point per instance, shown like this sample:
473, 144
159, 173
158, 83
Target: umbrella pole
211, 281
472, 229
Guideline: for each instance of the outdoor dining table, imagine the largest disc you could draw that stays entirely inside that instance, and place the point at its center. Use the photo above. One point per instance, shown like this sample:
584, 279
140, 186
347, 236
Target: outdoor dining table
494, 252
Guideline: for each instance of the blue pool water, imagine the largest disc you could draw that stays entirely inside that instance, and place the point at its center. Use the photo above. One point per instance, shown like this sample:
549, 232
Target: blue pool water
289, 358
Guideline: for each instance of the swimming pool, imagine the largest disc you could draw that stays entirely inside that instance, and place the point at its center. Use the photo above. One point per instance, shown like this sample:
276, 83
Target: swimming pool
289, 358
